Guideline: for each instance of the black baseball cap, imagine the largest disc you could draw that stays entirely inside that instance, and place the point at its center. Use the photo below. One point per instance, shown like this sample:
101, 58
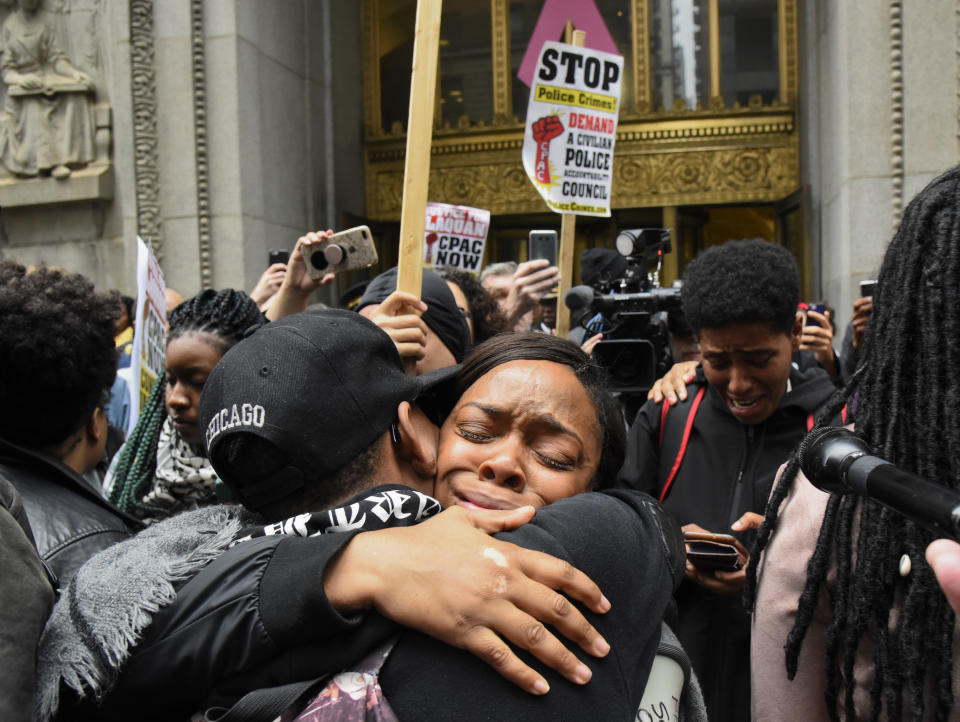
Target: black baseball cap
442, 315
319, 386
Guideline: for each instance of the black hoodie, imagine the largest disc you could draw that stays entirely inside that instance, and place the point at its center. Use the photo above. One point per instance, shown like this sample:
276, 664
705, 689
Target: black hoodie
728, 469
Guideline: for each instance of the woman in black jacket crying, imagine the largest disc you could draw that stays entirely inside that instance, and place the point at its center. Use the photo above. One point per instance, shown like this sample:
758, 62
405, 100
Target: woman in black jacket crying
711, 459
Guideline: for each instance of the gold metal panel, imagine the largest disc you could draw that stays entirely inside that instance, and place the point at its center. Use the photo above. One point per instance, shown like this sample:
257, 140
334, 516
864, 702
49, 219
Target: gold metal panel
713, 11
787, 19
724, 158
643, 77
500, 27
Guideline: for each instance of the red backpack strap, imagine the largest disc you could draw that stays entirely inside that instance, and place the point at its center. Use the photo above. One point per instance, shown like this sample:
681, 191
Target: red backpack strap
683, 442
664, 408
843, 420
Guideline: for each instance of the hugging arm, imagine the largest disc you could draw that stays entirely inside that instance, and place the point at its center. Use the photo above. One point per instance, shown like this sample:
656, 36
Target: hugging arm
261, 614
624, 541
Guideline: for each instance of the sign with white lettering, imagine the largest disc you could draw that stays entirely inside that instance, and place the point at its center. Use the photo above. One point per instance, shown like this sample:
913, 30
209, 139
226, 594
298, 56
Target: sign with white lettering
571, 127
150, 330
455, 236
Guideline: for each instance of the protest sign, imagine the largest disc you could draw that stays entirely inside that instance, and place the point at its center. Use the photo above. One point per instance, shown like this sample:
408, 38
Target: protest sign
571, 127
150, 335
455, 236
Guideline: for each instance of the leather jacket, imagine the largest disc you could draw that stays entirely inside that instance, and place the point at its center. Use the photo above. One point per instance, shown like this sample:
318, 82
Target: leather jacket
71, 521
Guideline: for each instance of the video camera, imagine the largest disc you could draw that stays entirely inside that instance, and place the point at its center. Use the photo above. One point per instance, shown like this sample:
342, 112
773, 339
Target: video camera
631, 313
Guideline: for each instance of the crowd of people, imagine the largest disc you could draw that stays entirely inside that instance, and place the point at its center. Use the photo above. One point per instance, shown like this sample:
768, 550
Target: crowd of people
431, 507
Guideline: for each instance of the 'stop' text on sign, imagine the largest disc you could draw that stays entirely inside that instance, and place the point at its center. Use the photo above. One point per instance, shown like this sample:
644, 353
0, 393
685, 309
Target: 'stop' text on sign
571, 127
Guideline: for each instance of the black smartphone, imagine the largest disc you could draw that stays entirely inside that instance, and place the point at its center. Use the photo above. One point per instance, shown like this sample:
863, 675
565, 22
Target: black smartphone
819, 308
867, 287
543, 244
277, 257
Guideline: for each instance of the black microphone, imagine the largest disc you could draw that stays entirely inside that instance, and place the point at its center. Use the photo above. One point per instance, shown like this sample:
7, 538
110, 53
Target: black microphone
836, 460
579, 297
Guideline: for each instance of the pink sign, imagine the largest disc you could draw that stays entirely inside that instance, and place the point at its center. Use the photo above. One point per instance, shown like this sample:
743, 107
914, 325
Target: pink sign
553, 18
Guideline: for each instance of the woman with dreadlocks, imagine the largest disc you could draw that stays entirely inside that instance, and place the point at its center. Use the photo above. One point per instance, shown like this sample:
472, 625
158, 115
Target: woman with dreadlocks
842, 586
163, 469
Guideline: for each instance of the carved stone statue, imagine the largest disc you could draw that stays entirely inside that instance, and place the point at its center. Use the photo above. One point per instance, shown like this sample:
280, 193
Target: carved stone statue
48, 125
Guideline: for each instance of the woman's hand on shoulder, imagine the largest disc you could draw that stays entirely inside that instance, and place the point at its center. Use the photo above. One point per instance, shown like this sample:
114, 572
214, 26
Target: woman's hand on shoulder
448, 578
673, 385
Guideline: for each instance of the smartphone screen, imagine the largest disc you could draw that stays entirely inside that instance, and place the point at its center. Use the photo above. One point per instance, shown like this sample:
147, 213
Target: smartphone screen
819, 308
543, 244
277, 257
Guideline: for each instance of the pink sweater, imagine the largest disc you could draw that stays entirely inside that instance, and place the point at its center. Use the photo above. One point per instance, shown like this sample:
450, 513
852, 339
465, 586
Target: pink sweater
782, 574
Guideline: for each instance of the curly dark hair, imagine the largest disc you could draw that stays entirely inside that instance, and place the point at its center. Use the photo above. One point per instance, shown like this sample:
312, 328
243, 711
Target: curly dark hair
488, 319
742, 282
57, 354
906, 387
529, 346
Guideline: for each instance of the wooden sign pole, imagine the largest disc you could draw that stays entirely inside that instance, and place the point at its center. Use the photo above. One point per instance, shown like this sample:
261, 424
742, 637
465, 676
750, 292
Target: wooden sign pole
568, 224
416, 171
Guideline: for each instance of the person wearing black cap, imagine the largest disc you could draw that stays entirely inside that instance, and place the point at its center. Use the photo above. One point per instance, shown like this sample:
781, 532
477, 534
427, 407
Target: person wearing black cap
431, 329
601, 265
259, 610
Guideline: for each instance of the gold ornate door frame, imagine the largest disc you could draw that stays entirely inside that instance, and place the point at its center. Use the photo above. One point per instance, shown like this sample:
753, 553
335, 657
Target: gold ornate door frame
674, 157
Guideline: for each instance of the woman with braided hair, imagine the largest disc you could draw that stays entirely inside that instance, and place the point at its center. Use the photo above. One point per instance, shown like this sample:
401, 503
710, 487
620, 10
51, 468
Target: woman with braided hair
163, 469
842, 586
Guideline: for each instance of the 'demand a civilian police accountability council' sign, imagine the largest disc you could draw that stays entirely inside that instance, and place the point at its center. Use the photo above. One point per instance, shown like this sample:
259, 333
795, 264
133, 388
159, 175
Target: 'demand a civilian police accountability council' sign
571, 127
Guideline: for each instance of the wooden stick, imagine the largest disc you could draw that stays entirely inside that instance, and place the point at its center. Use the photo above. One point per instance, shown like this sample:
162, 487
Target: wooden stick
568, 224
416, 171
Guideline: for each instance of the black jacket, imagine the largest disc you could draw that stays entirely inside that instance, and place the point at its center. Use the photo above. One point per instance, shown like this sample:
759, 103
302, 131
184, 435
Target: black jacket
71, 520
728, 469
257, 617
26, 595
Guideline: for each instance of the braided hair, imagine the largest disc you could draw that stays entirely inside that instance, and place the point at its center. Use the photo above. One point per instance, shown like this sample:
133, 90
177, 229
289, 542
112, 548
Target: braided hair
906, 393
223, 318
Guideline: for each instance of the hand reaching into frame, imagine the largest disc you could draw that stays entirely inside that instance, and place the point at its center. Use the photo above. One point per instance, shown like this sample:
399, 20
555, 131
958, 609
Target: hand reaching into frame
268, 285
531, 281
294, 293
819, 339
673, 385
399, 316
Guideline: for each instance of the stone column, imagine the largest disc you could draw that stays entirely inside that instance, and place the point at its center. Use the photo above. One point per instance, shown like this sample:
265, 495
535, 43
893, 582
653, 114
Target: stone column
879, 119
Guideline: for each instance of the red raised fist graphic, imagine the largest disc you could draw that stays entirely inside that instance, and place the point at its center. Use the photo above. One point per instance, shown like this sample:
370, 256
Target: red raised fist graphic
431, 239
544, 130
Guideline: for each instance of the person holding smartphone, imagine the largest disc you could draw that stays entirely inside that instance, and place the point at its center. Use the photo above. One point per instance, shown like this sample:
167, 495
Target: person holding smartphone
817, 336
853, 336
711, 458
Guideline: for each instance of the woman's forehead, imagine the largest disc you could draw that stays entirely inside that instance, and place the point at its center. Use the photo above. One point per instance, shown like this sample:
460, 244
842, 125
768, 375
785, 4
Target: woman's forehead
542, 387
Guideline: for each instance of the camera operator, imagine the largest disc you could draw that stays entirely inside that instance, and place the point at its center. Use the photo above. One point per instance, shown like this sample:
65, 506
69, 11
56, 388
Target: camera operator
624, 319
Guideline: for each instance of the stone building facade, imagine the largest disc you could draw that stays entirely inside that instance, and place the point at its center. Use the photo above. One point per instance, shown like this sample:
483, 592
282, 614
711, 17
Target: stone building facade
222, 129
227, 128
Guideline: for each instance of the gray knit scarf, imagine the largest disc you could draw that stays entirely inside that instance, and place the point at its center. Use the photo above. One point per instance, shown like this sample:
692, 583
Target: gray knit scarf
113, 597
